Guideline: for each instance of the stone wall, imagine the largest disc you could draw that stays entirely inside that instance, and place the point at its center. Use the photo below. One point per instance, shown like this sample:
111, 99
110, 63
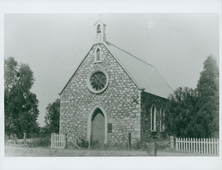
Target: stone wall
77, 101
147, 100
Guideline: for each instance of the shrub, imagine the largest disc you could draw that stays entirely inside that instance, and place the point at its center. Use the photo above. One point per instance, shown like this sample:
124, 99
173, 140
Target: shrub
82, 143
96, 144
137, 145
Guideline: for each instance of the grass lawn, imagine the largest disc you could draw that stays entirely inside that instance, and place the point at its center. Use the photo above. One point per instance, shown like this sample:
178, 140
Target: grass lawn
21, 151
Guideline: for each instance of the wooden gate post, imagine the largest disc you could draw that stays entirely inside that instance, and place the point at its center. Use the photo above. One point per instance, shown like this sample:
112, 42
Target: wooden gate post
52, 140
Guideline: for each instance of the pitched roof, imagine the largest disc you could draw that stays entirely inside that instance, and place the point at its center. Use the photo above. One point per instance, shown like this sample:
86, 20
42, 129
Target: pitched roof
100, 22
143, 74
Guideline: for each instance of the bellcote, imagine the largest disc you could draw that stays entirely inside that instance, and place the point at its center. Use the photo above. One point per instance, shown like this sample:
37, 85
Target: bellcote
100, 30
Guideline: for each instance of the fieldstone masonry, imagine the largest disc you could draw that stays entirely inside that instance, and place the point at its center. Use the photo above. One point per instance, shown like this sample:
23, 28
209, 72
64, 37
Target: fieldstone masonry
126, 107
77, 101
147, 101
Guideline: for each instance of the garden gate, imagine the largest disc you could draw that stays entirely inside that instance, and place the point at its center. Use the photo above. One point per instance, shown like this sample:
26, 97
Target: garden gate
58, 141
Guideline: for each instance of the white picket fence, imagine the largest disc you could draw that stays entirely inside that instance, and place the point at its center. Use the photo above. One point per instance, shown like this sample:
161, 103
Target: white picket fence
200, 146
58, 141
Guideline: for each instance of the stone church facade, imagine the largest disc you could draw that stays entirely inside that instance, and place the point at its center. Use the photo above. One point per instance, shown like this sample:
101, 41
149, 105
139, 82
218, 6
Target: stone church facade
111, 94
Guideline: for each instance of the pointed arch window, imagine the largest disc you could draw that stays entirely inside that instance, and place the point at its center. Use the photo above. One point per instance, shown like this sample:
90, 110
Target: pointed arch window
153, 118
98, 55
162, 115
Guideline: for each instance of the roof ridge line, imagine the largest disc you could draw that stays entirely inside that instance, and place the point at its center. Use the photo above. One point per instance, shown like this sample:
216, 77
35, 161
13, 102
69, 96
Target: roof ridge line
130, 54
106, 44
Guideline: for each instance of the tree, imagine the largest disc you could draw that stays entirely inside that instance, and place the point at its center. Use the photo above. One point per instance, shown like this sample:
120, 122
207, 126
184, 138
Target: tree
180, 111
21, 105
52, 117
208, 98
195, 113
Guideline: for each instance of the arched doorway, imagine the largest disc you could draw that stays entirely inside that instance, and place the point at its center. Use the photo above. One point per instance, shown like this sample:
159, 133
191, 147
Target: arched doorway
97, 113
98, 127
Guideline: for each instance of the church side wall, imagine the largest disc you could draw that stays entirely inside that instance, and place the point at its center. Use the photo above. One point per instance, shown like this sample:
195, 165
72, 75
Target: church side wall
147, 100
77, 101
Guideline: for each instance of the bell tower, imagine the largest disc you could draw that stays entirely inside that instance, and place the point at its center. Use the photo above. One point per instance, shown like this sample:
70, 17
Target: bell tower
100, 30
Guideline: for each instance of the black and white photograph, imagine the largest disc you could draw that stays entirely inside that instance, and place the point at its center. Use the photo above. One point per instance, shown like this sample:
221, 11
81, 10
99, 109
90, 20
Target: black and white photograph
140, 86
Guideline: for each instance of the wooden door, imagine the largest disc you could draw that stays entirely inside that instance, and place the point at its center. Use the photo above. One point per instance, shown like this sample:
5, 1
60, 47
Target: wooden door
98, 128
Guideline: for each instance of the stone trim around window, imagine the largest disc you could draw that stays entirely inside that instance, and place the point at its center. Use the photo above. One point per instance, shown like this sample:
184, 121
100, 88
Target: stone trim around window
90, 85
98, 55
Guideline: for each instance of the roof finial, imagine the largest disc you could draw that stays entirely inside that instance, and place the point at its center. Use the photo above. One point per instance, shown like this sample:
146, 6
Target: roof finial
100, 17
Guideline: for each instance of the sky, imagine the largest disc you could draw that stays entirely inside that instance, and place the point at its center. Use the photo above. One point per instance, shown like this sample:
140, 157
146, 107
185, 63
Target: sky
53, 45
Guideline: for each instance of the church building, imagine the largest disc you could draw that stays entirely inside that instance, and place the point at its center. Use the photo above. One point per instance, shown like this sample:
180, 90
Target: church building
111, 94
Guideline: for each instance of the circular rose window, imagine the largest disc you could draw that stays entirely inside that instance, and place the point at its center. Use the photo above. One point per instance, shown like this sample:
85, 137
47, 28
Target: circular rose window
97, 81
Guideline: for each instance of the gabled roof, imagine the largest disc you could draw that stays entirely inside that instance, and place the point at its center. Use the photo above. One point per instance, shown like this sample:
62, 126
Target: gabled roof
143, 74
100, 22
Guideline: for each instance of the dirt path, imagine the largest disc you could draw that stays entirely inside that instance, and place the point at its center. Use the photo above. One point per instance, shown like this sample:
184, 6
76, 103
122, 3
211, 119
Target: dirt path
15, 151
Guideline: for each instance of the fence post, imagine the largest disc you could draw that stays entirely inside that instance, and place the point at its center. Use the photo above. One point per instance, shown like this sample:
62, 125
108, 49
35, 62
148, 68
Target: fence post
209, 146
129, 139
215, 146
66, 136
179, 147
155, 149
204, 145
188, 144
51, 140
24, 138
191, 145
207, 142
171, 142
199, 146
181, 142
176, 144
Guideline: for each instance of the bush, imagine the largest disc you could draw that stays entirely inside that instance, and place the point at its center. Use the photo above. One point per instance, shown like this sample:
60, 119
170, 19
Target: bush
96, 145
162, 145
137, 145
82, 143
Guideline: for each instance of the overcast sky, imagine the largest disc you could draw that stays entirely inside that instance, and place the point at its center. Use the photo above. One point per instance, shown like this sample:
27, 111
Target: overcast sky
54, 45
